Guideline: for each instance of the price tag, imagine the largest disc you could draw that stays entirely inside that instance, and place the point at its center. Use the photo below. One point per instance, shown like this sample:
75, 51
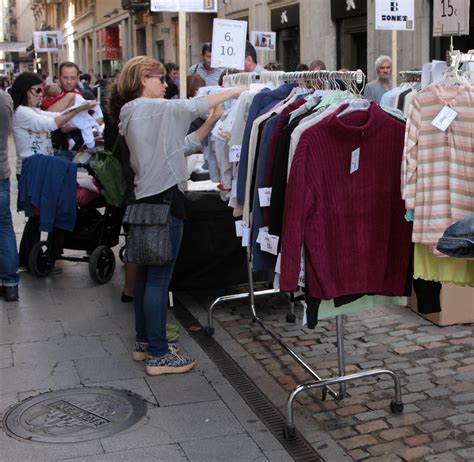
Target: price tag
355, 160
270, 244
233, 191
262, 232
245, 235
302, 275
444, 118
228, 43
450, 17
264, 196
234, 153
239, 228
278, 264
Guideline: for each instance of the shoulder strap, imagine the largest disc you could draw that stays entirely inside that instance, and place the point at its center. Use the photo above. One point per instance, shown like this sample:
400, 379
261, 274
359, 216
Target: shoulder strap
196, 68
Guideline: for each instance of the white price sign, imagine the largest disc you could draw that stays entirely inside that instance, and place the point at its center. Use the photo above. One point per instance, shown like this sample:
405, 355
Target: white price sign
187, 6
228, 43
395, 15
450, 17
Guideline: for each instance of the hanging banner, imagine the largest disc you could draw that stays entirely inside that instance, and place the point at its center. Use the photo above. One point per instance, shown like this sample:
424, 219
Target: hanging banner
13, 46
265, 41
395, 15
108, 43
450, 17
186, 6
228, 43
48, 40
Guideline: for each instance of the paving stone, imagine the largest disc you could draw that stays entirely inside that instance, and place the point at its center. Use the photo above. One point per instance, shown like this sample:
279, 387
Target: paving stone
461, 419
172, 389
384, 458
396, 433
394, 447
444, 457
371, 415
464, 398
418, 453
418, 440
467, 453
446, 445
165, 452
358, 454
351, 410
357, 442
405, 419
229, 448
371, 427
419, 386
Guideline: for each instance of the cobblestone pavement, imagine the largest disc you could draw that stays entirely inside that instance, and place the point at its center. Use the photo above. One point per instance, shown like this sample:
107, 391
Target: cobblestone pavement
435, 366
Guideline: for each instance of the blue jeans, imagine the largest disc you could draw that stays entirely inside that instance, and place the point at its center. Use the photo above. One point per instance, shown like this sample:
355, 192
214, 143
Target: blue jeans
150, 296
458, 240
8, 252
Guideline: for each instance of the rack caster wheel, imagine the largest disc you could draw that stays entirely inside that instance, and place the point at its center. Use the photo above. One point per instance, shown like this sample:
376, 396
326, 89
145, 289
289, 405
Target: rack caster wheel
396, 407
289, 431
291, 317
209, 331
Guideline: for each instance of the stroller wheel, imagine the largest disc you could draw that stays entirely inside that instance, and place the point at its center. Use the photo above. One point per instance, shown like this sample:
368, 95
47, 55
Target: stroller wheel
102, 264
40, 261
122, 253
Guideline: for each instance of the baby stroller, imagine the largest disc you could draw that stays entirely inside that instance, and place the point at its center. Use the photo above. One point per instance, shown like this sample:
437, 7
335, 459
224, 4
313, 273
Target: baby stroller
95, 233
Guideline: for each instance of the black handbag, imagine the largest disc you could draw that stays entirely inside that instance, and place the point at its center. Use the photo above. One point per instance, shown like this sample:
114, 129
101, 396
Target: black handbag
149, 236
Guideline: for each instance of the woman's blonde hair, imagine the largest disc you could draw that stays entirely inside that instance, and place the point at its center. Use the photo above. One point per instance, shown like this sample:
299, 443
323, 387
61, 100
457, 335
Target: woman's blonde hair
129, 83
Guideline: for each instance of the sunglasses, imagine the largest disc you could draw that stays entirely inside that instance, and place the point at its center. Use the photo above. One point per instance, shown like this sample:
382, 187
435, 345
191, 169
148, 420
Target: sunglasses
160, 76
37, 91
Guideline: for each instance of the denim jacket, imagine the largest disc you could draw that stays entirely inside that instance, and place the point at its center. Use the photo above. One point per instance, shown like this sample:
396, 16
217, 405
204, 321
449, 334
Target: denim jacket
458, 239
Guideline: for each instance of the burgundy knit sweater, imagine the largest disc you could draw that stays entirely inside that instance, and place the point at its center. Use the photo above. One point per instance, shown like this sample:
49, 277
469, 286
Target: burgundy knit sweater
352, 226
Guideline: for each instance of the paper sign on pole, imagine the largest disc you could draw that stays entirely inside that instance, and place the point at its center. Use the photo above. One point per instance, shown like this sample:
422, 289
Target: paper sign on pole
48, 40
186, 6
395, 15
265, 41
228, 43
450, 17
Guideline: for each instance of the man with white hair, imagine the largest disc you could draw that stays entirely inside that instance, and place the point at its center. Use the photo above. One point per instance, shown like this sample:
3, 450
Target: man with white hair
375, 89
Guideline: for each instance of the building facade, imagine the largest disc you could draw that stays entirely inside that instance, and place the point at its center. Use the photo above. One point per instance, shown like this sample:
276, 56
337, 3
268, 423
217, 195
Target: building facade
100, 35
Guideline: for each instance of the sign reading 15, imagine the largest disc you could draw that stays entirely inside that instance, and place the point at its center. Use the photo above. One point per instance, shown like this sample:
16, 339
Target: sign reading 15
227, 50
448, 9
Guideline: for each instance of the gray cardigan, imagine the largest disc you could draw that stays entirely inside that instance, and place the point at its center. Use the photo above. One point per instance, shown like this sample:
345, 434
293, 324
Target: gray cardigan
6, 113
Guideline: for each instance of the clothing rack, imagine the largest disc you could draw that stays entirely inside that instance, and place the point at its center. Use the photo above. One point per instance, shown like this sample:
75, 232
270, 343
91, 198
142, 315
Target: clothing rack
352, 80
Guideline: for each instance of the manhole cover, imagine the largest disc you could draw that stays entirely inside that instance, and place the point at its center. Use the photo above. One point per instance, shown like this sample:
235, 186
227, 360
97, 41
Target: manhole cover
77, 414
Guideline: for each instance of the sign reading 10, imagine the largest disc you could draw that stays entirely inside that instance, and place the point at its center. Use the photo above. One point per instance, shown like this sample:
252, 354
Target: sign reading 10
227, 50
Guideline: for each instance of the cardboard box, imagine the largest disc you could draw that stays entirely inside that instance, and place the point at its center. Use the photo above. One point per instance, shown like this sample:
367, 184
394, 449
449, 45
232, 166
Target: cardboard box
457, 306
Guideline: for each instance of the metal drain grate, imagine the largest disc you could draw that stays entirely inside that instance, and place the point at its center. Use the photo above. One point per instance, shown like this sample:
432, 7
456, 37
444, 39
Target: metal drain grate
297, 446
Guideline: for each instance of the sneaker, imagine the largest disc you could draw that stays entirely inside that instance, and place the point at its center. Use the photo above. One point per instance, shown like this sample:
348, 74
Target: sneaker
171, 326
10, 293
170, 363
172, 336
140, 351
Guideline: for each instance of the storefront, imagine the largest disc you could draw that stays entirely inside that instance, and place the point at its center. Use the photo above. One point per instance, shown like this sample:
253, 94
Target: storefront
351, 33
285, 22
109, 51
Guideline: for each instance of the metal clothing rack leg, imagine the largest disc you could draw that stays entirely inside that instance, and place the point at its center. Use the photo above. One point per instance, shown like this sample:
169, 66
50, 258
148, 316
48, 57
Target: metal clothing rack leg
396, 405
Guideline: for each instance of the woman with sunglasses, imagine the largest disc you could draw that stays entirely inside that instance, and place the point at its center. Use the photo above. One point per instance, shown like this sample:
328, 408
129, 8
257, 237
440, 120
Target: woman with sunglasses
32, 129
155, 131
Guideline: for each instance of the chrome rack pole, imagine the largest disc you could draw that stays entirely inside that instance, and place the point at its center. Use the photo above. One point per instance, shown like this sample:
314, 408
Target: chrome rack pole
341, 355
